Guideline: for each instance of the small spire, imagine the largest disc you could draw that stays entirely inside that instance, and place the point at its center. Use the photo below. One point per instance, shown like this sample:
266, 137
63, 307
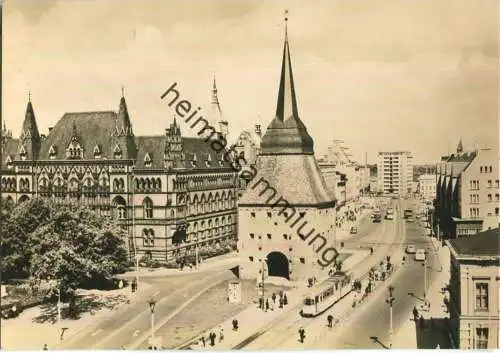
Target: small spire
175, 121
29, 96
460, 147
123, 92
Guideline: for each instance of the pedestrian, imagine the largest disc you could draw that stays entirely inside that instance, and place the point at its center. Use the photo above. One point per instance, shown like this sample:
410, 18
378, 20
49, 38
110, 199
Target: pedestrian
221, 334
261, 303
415, 313
235, 325
45, 348
273, 297
267, 304
285, 299
330, 320
203, 342
281, 303
212, 337
302, 334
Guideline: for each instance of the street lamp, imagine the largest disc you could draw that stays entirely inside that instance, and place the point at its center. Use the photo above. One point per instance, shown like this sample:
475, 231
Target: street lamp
263, 260
390, 300
152, 304
425, 276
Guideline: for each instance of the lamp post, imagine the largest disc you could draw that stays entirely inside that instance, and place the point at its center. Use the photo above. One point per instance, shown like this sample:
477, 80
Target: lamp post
425, 276
152, 304
263, 260
390, 300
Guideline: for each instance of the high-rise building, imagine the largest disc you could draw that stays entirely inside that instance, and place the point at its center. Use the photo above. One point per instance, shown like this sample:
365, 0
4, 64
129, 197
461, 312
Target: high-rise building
395, 173
171, 193
286, 215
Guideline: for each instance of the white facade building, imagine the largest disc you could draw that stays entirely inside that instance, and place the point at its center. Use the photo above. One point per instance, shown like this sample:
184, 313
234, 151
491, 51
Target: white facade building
395, 172
427, 186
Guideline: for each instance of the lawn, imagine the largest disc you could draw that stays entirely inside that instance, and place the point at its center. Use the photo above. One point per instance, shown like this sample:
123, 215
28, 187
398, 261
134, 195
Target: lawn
210, 310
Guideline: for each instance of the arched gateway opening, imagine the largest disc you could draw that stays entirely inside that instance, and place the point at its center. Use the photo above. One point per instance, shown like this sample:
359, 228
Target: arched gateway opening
277, 265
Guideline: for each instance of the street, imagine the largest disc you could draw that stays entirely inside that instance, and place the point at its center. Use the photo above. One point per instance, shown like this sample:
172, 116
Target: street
359, 331
283, 332
128, 326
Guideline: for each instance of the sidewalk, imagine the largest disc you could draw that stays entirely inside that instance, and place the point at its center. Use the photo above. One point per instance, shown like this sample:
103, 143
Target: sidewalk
434, 330
204, 266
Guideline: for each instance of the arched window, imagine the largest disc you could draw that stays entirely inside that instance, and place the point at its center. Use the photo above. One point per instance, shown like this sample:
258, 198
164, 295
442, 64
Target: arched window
148, 208
120, 206
148, 237
158, 183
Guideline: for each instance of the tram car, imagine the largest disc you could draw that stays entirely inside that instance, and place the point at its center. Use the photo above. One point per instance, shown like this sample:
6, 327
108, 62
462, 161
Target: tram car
326, 295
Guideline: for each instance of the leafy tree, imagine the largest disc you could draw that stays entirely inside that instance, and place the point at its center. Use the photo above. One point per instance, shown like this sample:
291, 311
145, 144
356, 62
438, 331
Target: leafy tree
77, 247
18, 223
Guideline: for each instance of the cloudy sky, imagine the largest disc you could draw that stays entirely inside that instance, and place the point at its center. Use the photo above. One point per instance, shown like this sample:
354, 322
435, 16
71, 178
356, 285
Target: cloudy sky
378, 74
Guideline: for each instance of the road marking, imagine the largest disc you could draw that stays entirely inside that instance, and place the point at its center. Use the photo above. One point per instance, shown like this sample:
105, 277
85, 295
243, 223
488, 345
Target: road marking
136, 333
155, 293
96, 332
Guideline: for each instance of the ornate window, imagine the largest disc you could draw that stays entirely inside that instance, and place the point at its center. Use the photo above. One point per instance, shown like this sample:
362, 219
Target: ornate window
52, 152
22, 153
148, 208
74, 150
148, 238
117, 152
8, 162
73, 185
97, 152
147, 160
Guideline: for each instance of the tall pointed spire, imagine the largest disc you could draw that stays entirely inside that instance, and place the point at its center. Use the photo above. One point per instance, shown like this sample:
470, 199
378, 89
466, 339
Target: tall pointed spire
460, 147
30, 137
286, 133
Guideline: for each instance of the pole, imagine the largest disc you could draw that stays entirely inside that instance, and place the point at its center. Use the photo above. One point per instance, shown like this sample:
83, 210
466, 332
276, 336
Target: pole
196, 251
425, 276
135, 243
263, 290
153, 330
390, 325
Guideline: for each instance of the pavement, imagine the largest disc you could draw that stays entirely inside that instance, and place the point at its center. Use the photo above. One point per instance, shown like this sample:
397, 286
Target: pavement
368, 328
434, 332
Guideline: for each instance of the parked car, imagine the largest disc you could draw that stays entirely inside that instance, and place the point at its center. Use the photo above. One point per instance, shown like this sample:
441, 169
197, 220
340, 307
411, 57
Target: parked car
354, 230
420, 255
411, 249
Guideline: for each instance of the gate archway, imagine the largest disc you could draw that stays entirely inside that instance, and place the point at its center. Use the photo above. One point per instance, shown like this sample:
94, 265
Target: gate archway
277, 265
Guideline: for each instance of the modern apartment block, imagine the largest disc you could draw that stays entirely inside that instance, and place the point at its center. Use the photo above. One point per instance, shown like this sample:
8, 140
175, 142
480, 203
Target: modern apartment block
475, 291
467, 192
395, 173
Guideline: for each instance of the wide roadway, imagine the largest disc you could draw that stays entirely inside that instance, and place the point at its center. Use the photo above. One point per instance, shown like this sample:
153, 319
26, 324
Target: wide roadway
368, 327
385, 239
129, 323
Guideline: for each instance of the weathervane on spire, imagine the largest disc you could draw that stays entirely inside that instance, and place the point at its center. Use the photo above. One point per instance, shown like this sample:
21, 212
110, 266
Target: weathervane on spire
286, 23
29, 96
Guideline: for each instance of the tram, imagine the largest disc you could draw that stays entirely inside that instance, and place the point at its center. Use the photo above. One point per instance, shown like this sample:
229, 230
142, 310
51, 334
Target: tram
326, 295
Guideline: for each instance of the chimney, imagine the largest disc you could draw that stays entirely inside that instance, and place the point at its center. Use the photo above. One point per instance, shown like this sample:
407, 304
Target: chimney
258, 131
50, 129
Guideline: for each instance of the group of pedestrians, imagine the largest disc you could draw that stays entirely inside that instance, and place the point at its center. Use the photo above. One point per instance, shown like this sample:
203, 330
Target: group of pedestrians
211, 338
266, 304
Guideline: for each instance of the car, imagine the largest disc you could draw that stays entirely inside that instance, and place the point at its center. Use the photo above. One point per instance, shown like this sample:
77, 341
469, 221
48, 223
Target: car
420, 255
389, 216
411, 249
354, 230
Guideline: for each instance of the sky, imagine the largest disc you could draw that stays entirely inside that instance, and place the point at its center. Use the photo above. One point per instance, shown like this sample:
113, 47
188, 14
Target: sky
380, 75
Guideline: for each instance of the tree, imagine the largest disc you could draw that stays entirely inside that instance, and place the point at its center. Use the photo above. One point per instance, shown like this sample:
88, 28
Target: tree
77, 246
18, 223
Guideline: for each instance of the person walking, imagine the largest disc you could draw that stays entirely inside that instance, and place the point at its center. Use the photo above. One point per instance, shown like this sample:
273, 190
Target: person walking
285, 299
330, 320
235, 325
212, 337
273, 297
261, 303
267, 304
221, 334
415, 313
203, 342
281, 303
302, 334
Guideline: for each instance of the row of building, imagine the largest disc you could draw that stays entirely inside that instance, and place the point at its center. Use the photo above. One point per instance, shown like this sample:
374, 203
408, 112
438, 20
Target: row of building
174, 193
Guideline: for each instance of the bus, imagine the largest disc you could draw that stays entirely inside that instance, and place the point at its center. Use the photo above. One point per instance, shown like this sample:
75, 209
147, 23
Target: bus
326, 295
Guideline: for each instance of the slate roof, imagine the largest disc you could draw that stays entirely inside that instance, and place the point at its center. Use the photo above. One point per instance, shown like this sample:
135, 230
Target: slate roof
9, 149
481, 244
296, 178
92, 128
155, 147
